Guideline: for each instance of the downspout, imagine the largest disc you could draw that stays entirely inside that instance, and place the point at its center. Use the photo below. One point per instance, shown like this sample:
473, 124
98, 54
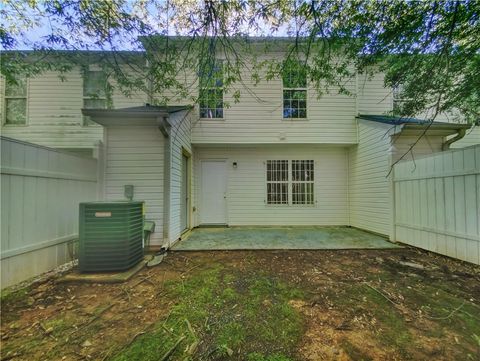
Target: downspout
392, 154
164, 127
393, 200
461, 133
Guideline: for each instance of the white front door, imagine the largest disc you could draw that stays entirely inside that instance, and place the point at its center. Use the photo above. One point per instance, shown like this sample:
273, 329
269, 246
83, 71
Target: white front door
213, 207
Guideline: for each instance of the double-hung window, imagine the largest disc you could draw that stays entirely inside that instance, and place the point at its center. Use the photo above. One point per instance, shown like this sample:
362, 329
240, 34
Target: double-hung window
94, 92
16, 102
398, 100
211, 89
294, 79
290, 182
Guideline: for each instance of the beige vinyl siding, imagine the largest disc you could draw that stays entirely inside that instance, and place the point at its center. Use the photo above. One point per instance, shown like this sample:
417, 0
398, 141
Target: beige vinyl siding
173, 96
373, 97
134, 155
179, 140
54, 115
472, 136
369, 187
424, 145
246, 188
258, 118
134, 98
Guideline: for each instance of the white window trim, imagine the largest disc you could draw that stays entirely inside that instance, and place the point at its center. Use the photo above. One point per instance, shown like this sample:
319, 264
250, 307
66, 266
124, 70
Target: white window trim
396, 97
105, 98
213, 88
290, 185
306, 104
288, 182
306, 100
5, 97
312, 182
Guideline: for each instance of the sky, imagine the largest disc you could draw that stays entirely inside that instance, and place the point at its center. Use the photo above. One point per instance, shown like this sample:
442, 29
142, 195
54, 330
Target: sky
33, 27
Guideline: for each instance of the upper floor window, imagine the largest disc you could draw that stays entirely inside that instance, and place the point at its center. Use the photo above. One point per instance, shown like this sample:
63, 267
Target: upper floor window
294, 79
16, 102
211, 89
94, 92
398, 100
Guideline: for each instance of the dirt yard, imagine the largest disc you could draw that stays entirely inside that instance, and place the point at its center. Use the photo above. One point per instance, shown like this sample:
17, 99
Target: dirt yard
257, 306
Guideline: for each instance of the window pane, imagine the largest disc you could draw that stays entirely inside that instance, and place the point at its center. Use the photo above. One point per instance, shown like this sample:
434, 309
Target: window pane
277, 193
211, 103
302, 182
16, 90
294, 104
277, 181
16, 111
94, 84
277, 170
294, 75
211, 74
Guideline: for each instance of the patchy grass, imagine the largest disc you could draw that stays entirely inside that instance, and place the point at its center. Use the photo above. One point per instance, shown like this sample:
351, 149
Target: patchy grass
354, 352
232, 314
19, 295
256, 306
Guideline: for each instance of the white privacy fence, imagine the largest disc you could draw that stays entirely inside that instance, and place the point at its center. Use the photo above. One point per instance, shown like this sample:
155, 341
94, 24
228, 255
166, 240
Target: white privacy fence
40, 192
437, 203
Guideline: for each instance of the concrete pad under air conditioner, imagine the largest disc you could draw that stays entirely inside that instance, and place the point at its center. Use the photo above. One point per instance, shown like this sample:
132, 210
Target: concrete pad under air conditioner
106, 277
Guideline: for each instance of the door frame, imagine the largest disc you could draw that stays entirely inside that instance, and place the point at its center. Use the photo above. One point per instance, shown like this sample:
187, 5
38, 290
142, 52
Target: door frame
200, 196
188, 204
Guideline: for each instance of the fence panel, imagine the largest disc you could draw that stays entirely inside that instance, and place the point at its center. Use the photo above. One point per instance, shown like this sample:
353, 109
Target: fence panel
437, 203
40, 192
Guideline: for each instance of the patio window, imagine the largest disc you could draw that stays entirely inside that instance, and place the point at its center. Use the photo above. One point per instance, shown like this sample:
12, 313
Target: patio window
277, 181
290, 182
294, 90
211, 89
302, 181
94, 93
16, 102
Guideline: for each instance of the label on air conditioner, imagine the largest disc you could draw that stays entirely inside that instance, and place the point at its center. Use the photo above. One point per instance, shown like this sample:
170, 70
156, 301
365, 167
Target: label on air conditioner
103, 214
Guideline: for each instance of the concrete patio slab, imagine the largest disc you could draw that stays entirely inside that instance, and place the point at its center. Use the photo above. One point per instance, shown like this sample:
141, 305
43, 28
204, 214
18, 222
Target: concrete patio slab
313, 237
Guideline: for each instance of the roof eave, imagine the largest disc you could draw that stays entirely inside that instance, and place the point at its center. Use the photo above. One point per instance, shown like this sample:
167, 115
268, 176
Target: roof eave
119, 113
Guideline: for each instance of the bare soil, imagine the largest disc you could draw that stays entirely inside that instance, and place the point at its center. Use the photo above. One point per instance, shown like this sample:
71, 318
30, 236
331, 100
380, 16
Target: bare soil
401, 304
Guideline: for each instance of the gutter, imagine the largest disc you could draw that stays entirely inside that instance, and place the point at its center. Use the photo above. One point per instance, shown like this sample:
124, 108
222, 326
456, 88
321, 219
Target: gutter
164, 126
461, 133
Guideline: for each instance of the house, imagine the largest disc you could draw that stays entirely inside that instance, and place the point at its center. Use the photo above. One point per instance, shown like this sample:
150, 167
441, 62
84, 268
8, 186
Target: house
46, 109
278, 156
